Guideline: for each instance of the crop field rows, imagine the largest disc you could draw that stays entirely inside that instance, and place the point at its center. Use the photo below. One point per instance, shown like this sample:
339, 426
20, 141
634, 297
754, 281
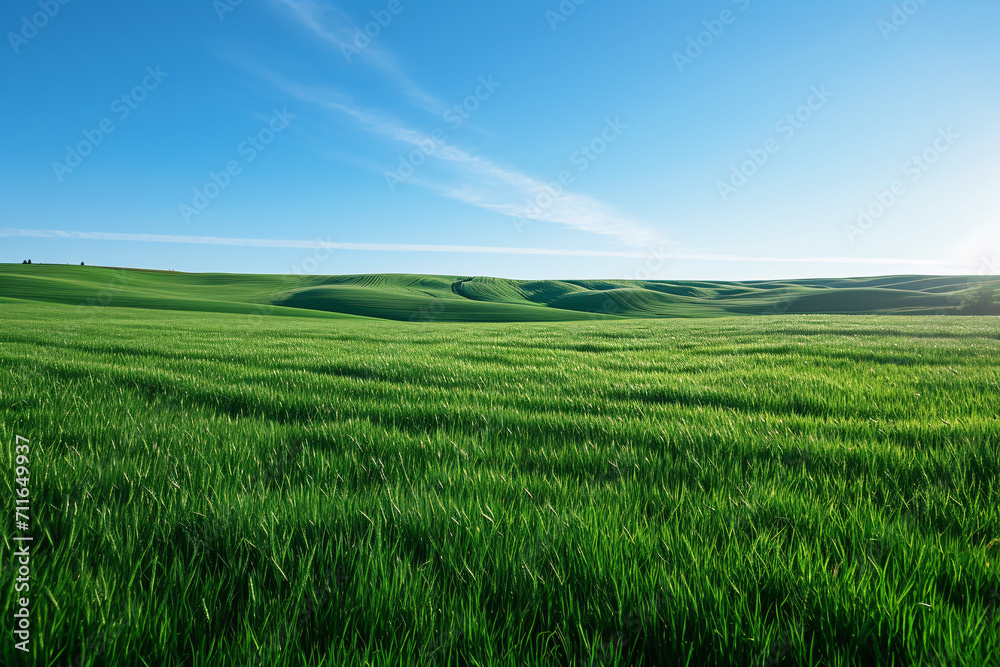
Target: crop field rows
809, 489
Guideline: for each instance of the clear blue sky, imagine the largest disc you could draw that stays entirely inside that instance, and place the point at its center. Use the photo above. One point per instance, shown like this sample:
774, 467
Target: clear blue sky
725, 139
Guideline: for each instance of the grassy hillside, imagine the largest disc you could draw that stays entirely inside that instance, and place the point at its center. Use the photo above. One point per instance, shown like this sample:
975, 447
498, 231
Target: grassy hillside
415, 298
140, 288
807, 490
482, 299
392, 296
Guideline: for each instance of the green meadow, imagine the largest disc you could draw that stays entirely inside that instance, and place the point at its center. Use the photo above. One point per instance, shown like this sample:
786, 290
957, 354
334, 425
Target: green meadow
327, 471
481, 299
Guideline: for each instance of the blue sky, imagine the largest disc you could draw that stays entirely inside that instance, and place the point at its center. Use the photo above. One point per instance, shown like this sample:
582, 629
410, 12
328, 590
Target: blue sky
732, 139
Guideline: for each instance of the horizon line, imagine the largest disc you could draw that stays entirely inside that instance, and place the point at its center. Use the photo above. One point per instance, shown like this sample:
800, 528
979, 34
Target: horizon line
652, 253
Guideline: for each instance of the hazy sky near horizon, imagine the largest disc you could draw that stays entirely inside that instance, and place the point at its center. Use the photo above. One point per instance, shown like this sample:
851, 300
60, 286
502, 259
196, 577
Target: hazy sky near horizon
731, 139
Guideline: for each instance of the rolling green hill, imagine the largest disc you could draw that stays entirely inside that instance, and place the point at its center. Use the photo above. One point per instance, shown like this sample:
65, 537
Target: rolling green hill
481, 299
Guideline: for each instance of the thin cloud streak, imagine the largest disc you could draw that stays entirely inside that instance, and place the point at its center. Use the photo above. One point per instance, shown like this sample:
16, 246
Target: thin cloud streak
571, 210
493, 250
296, 243
499, 189
336, 28
893, 261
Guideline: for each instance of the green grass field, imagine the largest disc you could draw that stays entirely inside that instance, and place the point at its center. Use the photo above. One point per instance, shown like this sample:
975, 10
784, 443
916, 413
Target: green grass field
481, 299
235, 488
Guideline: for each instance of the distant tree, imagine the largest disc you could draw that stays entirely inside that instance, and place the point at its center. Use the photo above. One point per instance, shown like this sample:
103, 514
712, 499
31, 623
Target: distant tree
29, 261
81, 263
24, 261
982, 301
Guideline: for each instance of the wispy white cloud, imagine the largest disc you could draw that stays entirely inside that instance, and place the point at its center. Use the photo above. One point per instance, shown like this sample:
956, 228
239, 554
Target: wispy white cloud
336, 28
296, 243
484, 183
465, 249
881, 261
478, 181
